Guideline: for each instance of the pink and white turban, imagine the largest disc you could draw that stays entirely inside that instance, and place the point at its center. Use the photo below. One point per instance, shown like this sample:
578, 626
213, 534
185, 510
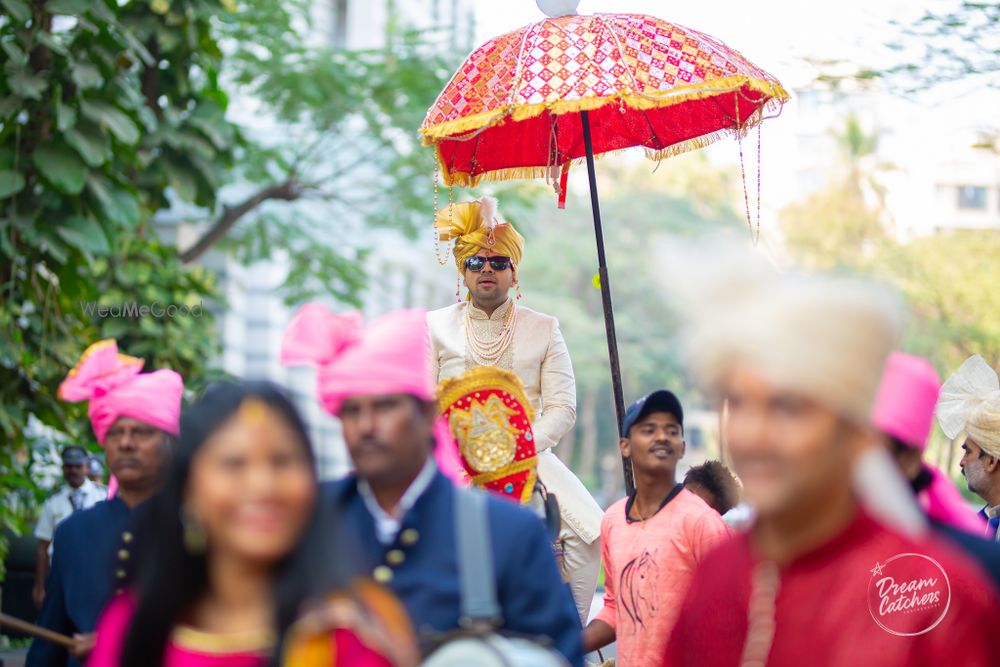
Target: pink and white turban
904, 409
116, 387
388, 356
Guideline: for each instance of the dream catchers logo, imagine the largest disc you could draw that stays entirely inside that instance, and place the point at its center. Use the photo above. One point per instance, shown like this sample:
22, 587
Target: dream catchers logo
909, 594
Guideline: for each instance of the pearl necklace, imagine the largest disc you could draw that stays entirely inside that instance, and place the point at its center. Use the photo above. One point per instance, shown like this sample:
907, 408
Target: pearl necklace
486, 352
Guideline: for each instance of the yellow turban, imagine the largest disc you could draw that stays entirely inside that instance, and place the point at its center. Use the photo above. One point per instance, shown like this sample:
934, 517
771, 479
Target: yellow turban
476, 226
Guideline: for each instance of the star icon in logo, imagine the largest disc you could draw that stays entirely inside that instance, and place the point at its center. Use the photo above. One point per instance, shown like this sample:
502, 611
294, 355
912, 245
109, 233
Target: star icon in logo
877, 570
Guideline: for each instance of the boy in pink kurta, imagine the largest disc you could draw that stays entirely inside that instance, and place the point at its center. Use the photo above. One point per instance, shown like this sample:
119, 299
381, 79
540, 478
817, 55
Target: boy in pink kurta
651, 541
648, 566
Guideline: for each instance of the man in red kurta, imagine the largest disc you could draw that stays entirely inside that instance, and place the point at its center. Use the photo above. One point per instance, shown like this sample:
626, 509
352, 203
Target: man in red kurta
817, 580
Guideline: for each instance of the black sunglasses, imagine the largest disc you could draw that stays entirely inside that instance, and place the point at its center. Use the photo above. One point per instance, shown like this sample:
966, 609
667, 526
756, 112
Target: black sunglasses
497, 263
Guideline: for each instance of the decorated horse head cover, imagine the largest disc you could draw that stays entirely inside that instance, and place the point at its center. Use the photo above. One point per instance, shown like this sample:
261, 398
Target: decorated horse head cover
490, 419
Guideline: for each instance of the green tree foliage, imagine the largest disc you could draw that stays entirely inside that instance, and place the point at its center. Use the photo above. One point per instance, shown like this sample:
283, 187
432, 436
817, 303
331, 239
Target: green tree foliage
104, 109
220, 111
833, 228
842, 227
346, 157
842, 224
946, 280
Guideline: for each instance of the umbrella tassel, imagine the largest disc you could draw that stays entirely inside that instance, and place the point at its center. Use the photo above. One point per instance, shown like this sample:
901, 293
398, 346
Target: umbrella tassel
758, 186
743, 176
563, 181
442, 260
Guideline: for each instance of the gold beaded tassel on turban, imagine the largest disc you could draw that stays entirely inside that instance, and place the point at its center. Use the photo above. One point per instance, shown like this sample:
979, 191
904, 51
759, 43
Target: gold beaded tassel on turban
477, 226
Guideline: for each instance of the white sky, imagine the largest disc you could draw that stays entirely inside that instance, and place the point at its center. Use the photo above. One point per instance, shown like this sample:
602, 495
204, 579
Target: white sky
775, 34
779, 35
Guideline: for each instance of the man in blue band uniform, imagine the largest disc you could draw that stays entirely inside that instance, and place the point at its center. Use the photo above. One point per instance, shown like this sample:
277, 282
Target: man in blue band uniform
397, 510
134, 416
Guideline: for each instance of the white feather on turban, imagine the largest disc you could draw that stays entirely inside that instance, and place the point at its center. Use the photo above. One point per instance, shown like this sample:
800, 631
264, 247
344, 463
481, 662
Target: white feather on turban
970, 404
825, 337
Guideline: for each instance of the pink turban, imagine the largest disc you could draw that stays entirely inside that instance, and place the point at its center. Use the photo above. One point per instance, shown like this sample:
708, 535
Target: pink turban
906, 399
115, 387
389, 356
904, 410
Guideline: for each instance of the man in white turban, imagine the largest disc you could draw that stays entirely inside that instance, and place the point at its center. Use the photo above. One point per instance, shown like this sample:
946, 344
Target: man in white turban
798, 361
969, 409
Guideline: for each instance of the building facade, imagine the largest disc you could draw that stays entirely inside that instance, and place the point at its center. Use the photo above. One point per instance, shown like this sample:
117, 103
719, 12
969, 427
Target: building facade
942, 183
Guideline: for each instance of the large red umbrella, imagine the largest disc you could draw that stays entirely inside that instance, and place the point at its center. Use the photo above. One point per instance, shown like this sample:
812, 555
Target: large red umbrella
530, 103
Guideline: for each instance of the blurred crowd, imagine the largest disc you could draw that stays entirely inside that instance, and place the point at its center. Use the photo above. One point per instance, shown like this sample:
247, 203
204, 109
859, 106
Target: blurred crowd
461, 539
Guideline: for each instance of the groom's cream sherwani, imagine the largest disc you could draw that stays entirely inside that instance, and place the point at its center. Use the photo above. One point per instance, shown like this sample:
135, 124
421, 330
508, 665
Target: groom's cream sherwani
538, 356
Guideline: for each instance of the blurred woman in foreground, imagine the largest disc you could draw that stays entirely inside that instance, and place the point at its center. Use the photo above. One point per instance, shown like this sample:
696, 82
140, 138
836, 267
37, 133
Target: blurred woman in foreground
218, 579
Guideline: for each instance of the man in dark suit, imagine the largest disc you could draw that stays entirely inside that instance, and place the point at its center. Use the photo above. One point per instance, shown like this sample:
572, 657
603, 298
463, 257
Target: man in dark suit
134, 416
397, 510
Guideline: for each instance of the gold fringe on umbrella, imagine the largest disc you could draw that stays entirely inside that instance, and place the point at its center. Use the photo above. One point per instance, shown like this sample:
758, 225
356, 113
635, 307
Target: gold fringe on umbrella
453, 129
467, 180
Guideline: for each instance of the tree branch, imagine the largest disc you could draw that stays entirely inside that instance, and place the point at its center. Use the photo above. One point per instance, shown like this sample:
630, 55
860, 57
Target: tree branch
151, 79
285, 191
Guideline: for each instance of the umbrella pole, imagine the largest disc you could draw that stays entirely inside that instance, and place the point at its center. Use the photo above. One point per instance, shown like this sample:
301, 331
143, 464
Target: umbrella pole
609, 313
